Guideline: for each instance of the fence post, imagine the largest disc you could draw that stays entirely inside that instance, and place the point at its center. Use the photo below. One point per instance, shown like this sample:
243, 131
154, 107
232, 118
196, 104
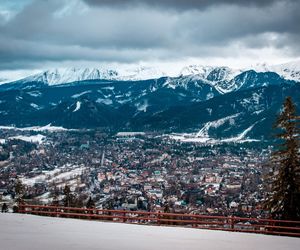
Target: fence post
158, 218
21, 208
232, 221
124, 216
271, 223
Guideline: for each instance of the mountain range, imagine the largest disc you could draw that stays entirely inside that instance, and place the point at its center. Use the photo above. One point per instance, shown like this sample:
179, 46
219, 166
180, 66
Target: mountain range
200, 101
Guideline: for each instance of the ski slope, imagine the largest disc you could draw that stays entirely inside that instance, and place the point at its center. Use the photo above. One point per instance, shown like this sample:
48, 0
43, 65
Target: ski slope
28, 232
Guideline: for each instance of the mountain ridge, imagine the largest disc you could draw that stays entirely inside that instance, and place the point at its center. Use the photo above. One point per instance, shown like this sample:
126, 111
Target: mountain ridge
204, 101
57, 76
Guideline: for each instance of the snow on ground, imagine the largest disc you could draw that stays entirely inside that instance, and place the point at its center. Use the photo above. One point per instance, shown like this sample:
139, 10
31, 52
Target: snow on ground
130, 133
203, 132
241, 136
59, 174
203, 136
189, 138
33, 138
48, 128
69, 175
30, 232
78, 105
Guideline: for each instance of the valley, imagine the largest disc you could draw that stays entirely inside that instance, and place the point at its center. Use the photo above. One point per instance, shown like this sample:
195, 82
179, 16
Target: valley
139, 171
203, 142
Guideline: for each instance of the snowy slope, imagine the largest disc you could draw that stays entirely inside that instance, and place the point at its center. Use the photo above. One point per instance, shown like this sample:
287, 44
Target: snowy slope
33, 138
67, 75
200, 70
289, 71
47, 128
203, 132
209, 73
141, 73
35, 233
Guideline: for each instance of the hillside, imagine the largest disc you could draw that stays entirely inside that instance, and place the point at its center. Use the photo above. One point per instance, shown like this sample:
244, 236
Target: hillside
214, 103
18, 231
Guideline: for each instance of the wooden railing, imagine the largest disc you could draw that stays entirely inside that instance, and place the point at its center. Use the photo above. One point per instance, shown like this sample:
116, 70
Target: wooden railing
236, 224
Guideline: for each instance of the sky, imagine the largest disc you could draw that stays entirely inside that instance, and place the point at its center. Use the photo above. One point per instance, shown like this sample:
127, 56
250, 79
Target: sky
41, 34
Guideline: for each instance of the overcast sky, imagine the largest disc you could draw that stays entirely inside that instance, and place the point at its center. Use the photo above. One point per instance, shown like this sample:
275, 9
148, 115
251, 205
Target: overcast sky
39, 34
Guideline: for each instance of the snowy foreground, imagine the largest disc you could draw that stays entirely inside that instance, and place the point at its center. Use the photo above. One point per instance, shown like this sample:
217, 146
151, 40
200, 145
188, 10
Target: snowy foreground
30, 232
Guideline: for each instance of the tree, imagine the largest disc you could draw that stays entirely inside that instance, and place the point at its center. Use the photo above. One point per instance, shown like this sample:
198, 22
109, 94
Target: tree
55, 196
90, 203
19, 190
284, 198
68, 200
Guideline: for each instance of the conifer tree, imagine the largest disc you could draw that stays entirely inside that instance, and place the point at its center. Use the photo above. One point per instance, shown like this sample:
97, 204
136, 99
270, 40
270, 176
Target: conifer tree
90, 203
19, 190
284, 199
55, 196
68, 200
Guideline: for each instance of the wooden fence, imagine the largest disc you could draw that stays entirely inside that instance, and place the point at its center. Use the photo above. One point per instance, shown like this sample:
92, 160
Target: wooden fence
231, 223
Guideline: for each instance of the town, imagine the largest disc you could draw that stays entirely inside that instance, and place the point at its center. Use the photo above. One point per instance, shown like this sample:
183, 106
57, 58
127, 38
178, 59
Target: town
133, 171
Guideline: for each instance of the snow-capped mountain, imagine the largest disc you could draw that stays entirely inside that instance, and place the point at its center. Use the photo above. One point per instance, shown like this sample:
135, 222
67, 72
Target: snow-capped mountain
141, 73
199, 70
60, 76
152, 106
289, 71
210, 73
147, 98
68, 75
223, 78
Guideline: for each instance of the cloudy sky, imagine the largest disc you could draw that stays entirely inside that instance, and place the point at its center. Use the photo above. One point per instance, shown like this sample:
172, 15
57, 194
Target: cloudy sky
39, 34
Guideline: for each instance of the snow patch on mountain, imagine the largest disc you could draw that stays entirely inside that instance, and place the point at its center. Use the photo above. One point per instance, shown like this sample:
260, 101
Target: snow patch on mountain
104, 101
34, 93
241, 136
203, 132
203, 136
35, 106
78, 106
81, 94
142, 106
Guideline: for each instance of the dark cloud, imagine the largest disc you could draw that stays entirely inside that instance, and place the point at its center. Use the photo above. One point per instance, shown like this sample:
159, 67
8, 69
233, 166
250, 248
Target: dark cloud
182, 4
69, 30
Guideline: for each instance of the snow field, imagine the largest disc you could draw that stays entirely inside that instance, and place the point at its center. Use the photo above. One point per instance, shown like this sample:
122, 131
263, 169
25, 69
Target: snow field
28, 232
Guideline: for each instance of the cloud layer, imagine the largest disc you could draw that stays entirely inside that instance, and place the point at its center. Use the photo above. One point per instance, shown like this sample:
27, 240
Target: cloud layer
129, 31
181, 5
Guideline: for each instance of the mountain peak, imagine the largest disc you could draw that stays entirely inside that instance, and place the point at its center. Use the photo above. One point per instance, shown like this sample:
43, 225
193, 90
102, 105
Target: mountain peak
66, 75
289, 71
